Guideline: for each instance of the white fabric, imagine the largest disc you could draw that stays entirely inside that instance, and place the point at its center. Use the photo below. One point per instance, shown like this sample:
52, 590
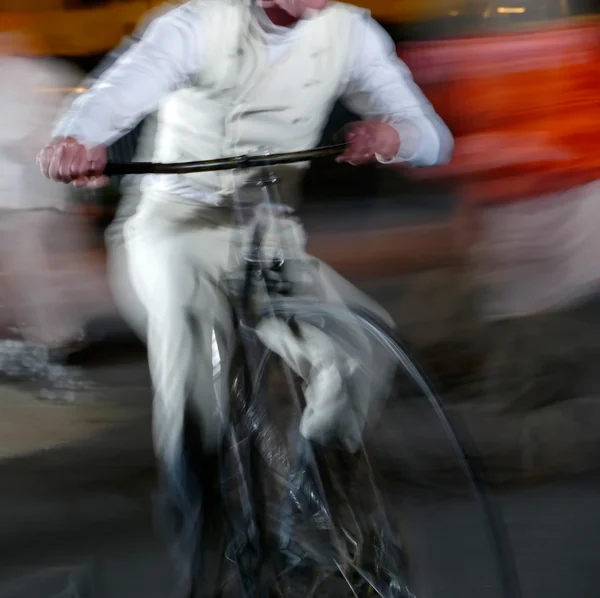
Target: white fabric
30, 98
541, 254
181, 254
173, 51
241, 102
181, 257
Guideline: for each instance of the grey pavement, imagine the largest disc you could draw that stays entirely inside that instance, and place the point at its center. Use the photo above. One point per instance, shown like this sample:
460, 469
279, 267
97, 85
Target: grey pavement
75, 508
76, 478
79, 514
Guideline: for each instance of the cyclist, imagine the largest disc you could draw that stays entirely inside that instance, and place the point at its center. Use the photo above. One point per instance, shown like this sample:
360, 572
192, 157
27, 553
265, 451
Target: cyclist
230, 77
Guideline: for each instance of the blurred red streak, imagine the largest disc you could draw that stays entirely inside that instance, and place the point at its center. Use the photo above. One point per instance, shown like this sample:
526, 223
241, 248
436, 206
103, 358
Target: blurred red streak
523, 107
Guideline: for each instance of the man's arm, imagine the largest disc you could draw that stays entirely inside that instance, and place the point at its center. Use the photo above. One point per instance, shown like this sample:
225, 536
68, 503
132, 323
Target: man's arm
381, 89
134, 86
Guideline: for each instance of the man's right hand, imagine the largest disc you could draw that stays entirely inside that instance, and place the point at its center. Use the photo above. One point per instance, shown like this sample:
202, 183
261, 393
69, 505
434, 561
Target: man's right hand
68, 161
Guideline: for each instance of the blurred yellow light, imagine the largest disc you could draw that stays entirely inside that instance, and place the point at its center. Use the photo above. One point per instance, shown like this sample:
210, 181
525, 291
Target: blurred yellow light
62, 89
510, 10
453, 13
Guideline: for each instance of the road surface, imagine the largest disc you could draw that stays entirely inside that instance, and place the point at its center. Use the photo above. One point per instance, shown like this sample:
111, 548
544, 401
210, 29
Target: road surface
75, 507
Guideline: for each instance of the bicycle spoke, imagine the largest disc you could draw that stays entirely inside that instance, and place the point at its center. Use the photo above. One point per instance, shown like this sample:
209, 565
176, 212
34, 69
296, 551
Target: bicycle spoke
397, 589
346, 580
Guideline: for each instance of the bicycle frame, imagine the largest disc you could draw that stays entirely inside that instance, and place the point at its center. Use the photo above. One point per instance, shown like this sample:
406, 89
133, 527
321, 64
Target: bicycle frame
267, 180
246, 548
256, 269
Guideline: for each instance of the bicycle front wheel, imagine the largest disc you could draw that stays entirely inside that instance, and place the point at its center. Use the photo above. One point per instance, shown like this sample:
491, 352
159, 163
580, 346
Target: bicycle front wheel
322, 504
365, 548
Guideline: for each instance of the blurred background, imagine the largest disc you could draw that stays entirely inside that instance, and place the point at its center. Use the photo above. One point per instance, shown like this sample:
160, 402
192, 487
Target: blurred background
490, 266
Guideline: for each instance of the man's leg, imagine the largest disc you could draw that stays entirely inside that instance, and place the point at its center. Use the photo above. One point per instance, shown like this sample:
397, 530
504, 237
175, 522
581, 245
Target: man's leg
176, 258
125, 297
343, 374
119, 277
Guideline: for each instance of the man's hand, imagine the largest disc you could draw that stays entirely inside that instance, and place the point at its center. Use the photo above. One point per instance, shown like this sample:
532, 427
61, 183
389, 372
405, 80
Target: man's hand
368, 140
68, 161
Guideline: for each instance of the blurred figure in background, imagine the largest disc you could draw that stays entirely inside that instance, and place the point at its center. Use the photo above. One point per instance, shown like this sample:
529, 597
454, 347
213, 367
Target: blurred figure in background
36, 227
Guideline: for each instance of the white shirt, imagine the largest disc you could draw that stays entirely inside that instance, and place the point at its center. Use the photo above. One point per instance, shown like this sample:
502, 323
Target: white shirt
172, 51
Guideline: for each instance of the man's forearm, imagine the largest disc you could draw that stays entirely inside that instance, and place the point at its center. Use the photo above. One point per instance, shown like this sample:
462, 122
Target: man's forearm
423, 141
381, 88
89, 121
410, 142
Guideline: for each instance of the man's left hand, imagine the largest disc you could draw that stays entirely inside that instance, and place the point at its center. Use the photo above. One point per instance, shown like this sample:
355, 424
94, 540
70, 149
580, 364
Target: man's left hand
368, 141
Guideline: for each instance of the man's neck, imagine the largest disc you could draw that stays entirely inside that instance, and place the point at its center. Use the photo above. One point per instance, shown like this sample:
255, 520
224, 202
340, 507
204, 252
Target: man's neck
280, 17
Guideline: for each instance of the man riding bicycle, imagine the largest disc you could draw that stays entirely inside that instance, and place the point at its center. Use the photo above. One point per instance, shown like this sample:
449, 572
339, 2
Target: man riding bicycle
232, 77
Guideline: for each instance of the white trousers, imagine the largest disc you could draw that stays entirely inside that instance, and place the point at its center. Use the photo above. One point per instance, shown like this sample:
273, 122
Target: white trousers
180, 256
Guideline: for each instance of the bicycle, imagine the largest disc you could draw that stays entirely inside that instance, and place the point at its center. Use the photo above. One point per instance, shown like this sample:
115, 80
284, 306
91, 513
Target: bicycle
323, 540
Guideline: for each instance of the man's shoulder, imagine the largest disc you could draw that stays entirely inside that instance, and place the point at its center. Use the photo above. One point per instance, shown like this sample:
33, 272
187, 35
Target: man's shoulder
168, 14
345, 7
347, 16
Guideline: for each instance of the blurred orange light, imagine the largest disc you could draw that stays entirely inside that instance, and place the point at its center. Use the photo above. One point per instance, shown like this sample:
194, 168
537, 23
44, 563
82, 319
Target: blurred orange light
62, 89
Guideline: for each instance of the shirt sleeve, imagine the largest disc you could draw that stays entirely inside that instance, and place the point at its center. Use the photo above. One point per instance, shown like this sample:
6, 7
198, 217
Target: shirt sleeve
160, 62
381, 87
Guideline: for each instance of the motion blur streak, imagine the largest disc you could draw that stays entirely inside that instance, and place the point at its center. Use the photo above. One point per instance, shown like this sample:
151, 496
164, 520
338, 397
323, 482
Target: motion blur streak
39, 225
526, 160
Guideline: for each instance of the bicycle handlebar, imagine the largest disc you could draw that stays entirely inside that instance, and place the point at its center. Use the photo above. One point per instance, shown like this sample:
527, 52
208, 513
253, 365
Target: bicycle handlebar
116, 169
